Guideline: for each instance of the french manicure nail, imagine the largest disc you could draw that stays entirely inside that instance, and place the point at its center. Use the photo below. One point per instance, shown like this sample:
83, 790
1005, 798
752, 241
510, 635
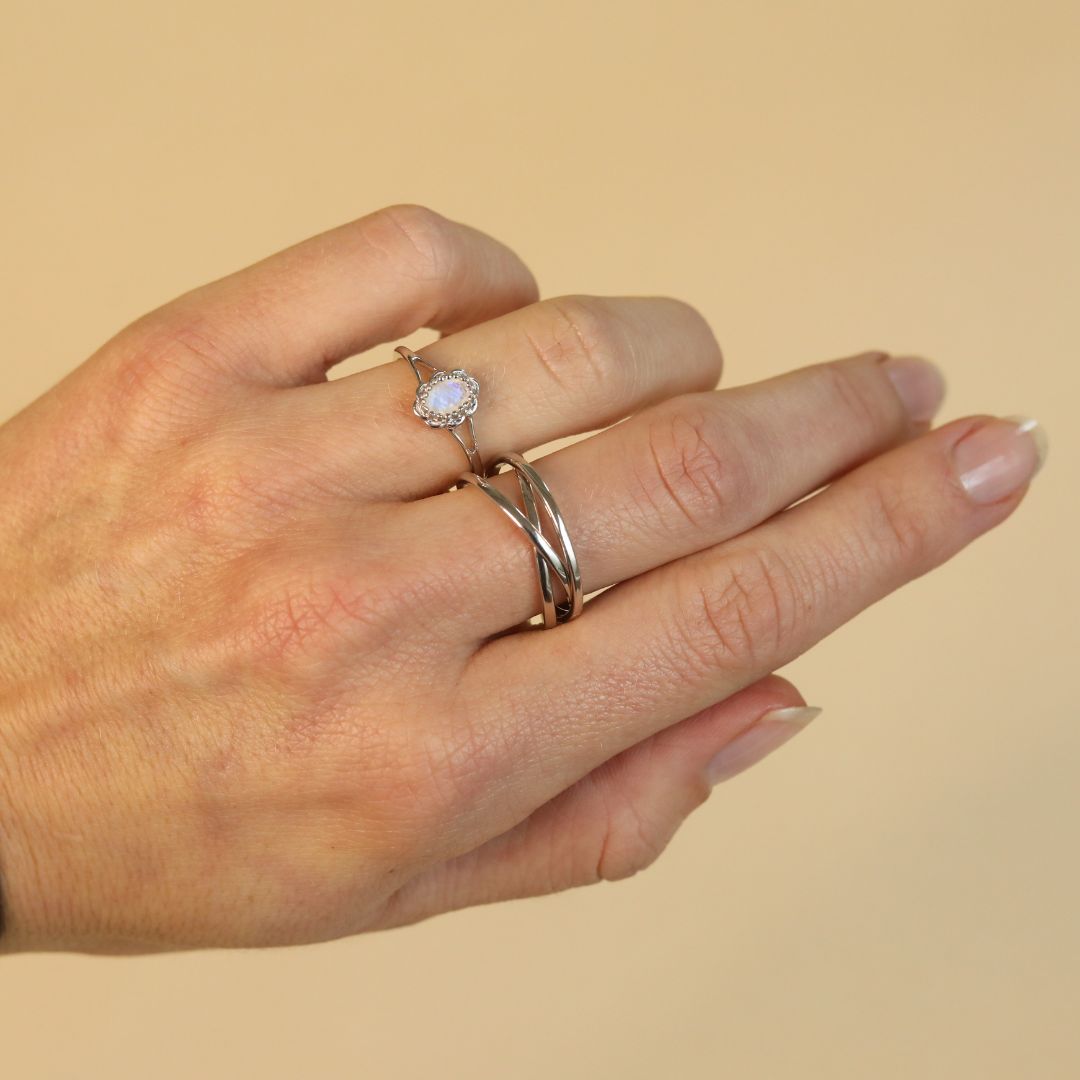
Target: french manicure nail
770, 731
919, 383
999, 457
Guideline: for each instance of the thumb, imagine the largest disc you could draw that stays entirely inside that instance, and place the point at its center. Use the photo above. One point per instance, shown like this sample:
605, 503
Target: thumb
618, 819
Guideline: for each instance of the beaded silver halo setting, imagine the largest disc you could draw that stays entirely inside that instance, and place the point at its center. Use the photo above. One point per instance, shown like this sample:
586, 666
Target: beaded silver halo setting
447, 399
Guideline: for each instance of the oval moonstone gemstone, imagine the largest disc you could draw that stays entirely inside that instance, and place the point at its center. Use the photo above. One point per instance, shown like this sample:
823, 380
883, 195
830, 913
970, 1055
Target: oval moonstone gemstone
447, 396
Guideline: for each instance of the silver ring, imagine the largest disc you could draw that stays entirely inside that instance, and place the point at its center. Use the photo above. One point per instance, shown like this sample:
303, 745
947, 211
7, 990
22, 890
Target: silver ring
558, 558
447, 399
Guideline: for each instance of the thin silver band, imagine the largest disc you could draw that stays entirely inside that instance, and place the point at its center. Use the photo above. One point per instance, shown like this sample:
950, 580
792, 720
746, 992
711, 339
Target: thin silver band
563, 563
469, 445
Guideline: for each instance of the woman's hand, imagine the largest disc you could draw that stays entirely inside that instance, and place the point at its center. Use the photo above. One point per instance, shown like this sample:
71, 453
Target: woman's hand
256, 684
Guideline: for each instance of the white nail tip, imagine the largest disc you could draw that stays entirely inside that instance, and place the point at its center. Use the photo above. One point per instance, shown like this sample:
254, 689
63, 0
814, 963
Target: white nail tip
1032, 427
800, 715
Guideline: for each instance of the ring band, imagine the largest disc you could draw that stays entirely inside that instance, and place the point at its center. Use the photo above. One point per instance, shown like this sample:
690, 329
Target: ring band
558, 558
447, 399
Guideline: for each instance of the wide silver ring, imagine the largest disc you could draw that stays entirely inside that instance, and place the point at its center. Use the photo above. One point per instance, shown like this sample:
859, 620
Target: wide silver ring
447, 399
552, 557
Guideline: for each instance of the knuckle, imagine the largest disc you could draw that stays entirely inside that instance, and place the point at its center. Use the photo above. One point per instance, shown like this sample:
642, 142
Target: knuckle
630, 838
691, 466
163, 369
317, 618
898, 530
418, 240
577, 342
859, 397
226, 497
742, 616
307, 617
204, 505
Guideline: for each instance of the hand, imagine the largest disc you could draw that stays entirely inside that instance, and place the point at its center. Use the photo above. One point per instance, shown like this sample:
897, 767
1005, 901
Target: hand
257, 684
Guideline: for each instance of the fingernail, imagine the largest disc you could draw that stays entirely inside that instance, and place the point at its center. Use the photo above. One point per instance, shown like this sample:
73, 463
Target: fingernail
919, 383
772, 730
999, 457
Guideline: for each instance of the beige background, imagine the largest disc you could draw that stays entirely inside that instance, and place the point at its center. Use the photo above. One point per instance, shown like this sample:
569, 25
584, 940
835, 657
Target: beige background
896, 893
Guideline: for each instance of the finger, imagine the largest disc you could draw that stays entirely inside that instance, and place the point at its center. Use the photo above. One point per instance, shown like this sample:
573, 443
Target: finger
684, 476
287, 319
618, 819
657, 648
556, 368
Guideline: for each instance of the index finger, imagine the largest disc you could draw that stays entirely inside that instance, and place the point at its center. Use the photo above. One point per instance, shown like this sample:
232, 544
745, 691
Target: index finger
290, 317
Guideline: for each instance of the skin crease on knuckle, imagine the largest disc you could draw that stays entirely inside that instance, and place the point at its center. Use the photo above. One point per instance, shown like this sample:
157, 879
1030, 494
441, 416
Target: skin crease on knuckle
165, 371
629, 840
413, 239
694, 472
587, 344
575, 340
744, 611
857, 389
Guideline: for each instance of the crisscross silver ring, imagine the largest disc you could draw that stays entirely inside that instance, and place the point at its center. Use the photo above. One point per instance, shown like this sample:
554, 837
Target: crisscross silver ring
556, 558
447, 399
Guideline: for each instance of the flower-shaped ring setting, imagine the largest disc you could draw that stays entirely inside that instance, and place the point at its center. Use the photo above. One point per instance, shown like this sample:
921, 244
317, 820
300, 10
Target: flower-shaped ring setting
447, 399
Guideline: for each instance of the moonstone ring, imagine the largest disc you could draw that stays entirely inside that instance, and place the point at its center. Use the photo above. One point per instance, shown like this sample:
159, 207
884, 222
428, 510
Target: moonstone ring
447, 399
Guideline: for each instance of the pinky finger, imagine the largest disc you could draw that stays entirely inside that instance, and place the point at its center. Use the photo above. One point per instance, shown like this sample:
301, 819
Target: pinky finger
619, 818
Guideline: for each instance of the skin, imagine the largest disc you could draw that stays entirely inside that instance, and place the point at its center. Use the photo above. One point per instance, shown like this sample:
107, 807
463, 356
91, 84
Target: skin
262, 676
